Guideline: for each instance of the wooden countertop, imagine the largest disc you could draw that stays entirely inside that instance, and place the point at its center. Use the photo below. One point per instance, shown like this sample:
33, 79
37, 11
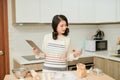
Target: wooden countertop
90, 76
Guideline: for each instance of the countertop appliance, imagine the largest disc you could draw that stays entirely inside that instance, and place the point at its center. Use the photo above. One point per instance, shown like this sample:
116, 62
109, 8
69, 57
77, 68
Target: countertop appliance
96, 45
99, 35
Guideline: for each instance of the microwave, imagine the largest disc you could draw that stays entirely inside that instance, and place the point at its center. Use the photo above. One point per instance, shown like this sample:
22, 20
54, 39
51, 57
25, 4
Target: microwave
96, 45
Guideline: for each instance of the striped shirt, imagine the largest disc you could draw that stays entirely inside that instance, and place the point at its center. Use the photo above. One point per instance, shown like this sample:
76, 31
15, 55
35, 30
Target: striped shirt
56, 53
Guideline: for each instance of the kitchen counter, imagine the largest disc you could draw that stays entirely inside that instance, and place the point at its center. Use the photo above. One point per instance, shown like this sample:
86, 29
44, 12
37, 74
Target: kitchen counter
107, 55
22, 60
66, 75
102, 54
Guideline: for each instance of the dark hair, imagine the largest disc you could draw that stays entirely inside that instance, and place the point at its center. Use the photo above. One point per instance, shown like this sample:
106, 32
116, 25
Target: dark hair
56, 20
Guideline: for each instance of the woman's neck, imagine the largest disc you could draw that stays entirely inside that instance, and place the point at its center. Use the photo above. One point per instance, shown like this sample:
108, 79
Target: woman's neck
59, 34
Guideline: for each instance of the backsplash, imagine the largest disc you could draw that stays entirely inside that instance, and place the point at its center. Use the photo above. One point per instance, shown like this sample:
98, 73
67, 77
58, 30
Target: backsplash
112, 32
36, 33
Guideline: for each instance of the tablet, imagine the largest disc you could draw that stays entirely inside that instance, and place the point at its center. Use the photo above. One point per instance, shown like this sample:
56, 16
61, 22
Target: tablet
33, 45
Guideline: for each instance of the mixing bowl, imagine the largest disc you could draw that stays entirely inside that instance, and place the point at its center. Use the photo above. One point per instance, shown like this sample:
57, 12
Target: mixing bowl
20, 72
97, 71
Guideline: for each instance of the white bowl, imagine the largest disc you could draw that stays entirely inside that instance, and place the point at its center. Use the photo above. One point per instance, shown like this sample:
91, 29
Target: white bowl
20, 72
97, 71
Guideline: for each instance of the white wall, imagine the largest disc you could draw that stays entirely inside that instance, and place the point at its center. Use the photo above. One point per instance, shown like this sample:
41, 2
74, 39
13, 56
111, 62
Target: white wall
112, 32
18, 35
36, 33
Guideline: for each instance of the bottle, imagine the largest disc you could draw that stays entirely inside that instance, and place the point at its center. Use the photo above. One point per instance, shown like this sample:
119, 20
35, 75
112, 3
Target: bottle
118, 46
118, 49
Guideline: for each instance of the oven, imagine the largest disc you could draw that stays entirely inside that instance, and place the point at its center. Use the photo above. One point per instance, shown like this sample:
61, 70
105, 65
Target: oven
88, 61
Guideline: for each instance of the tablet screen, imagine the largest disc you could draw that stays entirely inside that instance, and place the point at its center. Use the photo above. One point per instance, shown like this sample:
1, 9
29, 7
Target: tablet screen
33, 45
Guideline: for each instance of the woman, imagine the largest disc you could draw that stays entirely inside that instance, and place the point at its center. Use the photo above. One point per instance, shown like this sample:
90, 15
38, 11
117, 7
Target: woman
56, 46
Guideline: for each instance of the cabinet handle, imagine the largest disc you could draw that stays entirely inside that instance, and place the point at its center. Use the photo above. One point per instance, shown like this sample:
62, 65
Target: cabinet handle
1, 53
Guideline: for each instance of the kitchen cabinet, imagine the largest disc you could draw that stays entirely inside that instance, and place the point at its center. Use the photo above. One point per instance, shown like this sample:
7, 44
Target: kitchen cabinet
118, 10
100, 63
27, 11
110, 67
77, 11
105, 10
88, 61
33, 66
86, 11
119, 71
53, 7
113, 69
70, 10
49, 8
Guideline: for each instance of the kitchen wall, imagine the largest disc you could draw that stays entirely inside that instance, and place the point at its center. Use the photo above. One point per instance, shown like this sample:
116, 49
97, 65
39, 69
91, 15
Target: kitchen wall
19, 33
112, 32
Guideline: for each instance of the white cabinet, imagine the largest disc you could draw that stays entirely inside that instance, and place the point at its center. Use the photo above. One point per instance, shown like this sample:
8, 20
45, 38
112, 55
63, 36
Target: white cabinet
118, 10
49, 8
77, 11
86, 11
105, 10
27, 11
70, 10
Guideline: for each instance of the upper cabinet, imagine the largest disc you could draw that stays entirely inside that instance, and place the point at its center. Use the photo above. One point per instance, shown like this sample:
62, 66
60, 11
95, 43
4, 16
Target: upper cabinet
27, 11
70, 10
118, 10
86, 11
49, 8
105, 10
77, 11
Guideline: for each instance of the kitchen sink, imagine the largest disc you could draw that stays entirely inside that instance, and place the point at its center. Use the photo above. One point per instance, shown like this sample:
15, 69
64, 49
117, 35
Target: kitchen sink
31, 58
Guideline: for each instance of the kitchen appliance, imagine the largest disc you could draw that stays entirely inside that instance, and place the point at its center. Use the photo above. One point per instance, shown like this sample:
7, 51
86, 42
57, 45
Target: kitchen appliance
88, 61
99, 35
96, 45
118, 51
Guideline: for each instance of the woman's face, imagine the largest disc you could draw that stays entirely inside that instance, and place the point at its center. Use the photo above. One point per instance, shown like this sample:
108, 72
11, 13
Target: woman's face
61, 27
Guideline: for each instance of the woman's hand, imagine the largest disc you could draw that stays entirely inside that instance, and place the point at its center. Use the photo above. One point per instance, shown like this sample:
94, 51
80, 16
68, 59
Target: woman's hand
36, 51
77, 53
